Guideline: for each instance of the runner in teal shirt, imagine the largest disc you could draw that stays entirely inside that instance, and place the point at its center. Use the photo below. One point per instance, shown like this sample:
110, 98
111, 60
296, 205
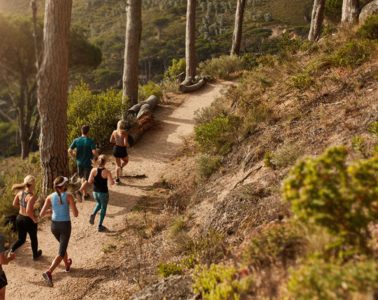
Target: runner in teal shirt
85, 150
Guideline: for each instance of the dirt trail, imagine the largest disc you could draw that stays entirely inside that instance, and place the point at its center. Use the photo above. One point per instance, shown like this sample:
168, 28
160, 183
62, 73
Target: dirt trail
149, 157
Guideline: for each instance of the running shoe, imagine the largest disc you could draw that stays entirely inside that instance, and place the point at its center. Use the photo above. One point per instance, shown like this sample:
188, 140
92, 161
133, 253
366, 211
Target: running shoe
101, 228
92, 219
38, 255
48, 278
118, 181
87, 197
68, 268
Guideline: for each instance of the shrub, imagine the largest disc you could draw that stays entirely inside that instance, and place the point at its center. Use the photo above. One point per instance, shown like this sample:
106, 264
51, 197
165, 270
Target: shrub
151, 88
208, 248
168, 269
373, 128
343, 199
220, 282
369, 29
100, 111
285, 155
221, 67
178, 225
275, 244
218, 135
317, 279
176, 68
256, 113
302, 81
208, 164
352, 54
207, 114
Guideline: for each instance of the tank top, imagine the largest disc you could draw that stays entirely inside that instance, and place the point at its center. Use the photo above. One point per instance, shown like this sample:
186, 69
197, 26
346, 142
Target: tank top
60, 212
23, 202
100, 184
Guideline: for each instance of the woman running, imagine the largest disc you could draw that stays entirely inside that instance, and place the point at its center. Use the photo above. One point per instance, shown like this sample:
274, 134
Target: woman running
100, 177
60, 203
26, 222
119, 137
4, 260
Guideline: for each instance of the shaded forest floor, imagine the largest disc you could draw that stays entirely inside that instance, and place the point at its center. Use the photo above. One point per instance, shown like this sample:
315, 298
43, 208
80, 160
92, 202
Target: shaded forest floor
115, 264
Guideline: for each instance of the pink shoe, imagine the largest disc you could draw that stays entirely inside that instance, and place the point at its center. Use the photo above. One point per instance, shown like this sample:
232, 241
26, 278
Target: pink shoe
68, 267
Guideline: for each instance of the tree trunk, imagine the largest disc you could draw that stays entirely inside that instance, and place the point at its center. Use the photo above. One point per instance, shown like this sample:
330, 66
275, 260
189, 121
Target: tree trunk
316, 20
190, 42
131, 59
53, 90
238, 27
350, 12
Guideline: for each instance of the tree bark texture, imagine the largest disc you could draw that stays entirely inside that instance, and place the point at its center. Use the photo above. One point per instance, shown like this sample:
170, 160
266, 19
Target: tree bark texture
317, 18
350, 11
190, 42
53, 90
238, 27
131, 58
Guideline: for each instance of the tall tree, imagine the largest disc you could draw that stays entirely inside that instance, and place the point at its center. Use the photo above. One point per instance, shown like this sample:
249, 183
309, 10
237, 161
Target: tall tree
132, 46
317, 17
350, 11
238, 27
53, 90
190, 42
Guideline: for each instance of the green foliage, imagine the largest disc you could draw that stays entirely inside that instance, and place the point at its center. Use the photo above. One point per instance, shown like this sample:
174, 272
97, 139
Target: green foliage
8, 132
176, 68
178, 225
278, 243
285, 155
222, 67
100, 111
333, 9
373, 128
220, 282
208, 248
208, 164
341, 198
268, 160
302, 81
218, 135
317, 279
369, 29
151, 88
352, 54
168, 269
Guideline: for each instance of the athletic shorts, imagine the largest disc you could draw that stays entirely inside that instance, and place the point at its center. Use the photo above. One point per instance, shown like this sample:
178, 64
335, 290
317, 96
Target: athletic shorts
84, 172
120, 152
3, 280
62, 232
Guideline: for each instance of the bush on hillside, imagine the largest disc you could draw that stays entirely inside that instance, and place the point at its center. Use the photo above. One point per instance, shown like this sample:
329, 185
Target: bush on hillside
176, 68
100, 111
317, 279
352, 54
341, 198
369, 29
218, 135
220, 282
150, 88
222, 67
167, 269
208, 164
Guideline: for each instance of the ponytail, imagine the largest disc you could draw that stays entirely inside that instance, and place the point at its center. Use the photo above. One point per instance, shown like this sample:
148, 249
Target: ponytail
18, 186
29, 180
59, 182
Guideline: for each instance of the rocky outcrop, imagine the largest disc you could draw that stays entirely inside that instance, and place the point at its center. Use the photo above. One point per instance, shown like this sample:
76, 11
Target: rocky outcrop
172, 288
368, 10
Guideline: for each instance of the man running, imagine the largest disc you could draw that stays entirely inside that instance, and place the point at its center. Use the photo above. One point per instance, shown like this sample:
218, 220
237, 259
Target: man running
85, 150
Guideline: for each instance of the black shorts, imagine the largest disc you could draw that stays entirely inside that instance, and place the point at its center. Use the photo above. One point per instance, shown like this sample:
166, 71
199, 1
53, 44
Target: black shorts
3, 280
84, 172
120, 152
62, 232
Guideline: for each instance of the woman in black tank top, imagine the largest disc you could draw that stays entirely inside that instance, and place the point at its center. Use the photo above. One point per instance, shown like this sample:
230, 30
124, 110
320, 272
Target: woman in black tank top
99, 177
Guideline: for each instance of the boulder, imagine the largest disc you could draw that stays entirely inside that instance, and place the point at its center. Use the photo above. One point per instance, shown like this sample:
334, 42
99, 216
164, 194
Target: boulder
368, 10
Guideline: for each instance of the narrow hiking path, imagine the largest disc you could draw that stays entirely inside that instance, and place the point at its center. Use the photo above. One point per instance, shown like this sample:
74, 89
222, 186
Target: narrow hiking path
149, 158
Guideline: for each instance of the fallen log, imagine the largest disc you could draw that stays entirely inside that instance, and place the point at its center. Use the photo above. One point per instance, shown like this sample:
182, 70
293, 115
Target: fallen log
142, 124
193, 87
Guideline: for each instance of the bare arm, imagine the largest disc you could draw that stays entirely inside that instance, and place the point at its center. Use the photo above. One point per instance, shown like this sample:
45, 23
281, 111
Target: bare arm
72, 204
126, 140
45, 207
30, 208
110, 178
16, 201
92, 176
5, 259
112, 138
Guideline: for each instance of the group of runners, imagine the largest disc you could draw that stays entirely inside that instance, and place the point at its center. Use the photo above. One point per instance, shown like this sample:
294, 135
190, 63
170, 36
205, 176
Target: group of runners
92, 170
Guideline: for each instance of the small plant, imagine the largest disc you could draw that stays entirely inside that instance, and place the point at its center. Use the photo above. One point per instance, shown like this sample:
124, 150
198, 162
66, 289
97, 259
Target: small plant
373, 128
317, 279
208, 164
178, 225
285, 156
352, 54
151, 88
218, 135
208, 248
220, 282
275, 244
175, 69
268, 160
302, 81
343, 199
369, 29
359, 145
168, 269
222, 67
109, 248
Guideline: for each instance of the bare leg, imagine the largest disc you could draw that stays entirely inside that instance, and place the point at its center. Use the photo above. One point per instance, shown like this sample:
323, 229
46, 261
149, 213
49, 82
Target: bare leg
125, 161
55, 263
65, 259
83, 188
2, 294
118, 169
